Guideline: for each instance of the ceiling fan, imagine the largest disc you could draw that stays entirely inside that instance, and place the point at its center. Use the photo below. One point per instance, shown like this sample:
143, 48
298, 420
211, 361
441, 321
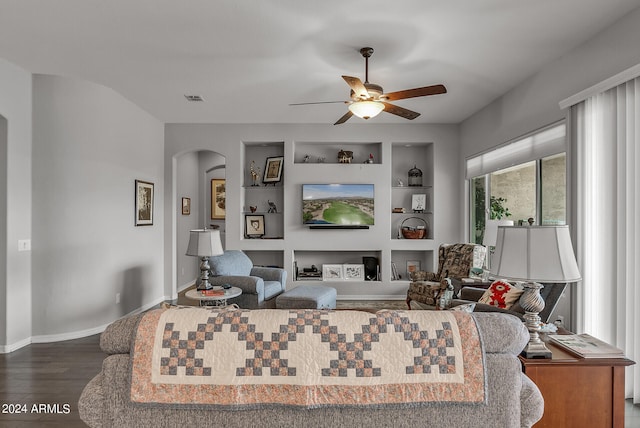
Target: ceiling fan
369, 99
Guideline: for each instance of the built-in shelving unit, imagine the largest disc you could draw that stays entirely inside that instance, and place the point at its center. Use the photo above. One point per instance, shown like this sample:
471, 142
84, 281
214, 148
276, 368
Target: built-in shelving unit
327, 153
265, 201
297, 246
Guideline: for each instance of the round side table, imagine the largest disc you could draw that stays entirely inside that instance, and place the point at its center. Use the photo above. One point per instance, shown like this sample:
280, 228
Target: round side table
217, 301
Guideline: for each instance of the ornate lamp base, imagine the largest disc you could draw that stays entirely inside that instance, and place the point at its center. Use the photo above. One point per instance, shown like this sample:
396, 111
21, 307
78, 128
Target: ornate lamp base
532, 302
203, 281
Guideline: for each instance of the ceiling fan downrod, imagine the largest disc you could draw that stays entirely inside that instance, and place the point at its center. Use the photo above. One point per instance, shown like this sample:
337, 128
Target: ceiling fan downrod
366, 53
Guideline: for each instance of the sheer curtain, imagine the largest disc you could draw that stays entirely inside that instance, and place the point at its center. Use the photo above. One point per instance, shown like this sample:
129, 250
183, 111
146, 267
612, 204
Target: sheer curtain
605, 130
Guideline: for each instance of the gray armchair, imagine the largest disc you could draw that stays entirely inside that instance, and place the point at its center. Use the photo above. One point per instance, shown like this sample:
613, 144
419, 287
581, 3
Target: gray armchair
260, 285
551, 294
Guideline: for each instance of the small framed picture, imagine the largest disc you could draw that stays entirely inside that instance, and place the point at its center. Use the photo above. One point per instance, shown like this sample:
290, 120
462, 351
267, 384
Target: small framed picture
418, 202
218, 199
254, 226
332, 273
144, 203
273, 170
353, 272
186, 206
412, 266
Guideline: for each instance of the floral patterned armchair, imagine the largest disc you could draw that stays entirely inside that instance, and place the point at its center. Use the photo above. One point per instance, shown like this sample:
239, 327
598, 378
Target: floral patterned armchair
454, 262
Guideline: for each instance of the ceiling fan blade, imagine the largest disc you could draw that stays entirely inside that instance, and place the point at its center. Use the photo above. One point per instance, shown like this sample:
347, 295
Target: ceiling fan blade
357, 86
319, 102
344, 118
417, 92
400, 111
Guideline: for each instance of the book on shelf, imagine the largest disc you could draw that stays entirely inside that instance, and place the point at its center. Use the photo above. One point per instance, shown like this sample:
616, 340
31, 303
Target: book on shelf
394, 272
586, 346
211, 293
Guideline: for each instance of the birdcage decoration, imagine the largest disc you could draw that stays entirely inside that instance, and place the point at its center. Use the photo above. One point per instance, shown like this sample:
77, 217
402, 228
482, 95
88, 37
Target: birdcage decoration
415, 176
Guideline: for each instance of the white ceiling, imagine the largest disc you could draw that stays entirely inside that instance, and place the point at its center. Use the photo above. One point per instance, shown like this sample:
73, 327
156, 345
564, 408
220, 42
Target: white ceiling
249, 59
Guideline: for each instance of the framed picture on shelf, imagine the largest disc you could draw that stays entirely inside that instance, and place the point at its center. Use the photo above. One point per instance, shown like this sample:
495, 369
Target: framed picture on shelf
218, 198
332, 273
254, 226
353, 272
412, 266
418, 202
186, 206
144, 203
273, 170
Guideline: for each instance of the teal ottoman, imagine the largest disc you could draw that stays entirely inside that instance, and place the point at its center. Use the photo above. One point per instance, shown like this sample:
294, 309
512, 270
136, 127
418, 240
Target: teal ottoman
308, 297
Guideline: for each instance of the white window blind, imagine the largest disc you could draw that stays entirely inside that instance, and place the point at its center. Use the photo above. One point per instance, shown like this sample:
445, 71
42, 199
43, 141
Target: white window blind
540, 144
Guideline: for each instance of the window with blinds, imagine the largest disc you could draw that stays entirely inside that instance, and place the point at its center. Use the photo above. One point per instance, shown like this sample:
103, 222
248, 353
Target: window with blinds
523, 181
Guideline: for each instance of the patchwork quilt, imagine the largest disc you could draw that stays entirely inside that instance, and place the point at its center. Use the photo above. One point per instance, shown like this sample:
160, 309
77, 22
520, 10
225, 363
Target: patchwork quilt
239, 359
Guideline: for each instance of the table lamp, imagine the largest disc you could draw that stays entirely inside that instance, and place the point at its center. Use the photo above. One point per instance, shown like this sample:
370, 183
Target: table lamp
534, 254
204, 243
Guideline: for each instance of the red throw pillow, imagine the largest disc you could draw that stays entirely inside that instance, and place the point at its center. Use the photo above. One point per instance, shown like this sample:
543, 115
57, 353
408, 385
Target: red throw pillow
501, 294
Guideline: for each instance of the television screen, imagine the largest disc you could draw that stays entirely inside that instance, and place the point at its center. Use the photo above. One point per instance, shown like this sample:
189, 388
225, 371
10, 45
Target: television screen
337, 204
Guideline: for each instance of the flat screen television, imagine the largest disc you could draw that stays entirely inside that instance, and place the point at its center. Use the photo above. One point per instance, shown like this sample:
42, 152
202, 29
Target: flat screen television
338, 205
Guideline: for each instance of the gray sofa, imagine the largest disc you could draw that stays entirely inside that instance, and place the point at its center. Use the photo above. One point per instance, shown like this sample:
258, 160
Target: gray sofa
513, 399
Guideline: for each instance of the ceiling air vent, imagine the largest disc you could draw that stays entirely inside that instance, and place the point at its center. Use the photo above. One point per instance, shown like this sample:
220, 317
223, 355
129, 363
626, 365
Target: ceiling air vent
194, 98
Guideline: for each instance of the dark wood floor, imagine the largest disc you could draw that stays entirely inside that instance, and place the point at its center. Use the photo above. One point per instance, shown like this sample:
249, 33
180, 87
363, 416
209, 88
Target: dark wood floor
47, 373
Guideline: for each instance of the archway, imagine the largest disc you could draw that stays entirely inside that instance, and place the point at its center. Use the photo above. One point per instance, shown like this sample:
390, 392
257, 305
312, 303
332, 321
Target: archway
193, 173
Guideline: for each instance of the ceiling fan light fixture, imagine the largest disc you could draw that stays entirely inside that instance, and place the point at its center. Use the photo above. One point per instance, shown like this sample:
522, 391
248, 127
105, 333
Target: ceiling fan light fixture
366, 109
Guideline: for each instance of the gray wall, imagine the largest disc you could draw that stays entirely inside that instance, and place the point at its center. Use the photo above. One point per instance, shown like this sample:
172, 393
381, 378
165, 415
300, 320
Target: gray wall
15, 208
89, 146
194, 171
188, 185
534, 103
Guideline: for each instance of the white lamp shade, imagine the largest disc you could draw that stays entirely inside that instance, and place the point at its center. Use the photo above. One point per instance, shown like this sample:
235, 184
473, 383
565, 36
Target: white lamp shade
204, 243
366, 109
491, 231
535, 254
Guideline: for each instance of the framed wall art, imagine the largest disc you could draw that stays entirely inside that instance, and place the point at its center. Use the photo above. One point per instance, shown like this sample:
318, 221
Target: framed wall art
412, 266
144, 203
353, 272
254, 226
186, 206
273, 170
332, 273
418, 202
218, 198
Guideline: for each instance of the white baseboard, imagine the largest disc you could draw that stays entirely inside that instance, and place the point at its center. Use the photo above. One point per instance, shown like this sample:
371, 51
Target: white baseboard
5, 349
48, 338
183, 287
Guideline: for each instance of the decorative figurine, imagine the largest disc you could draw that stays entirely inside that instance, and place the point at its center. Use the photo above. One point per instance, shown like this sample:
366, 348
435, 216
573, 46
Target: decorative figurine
306, 159
253, 209
255, 173
272, 207
345, 156
400, 182
447, 295
370, 160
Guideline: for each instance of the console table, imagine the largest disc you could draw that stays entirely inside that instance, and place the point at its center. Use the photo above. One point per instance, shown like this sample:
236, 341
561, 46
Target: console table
579, 392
